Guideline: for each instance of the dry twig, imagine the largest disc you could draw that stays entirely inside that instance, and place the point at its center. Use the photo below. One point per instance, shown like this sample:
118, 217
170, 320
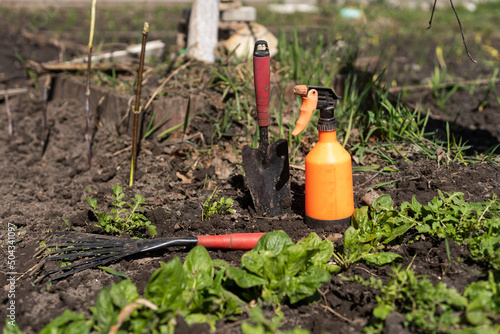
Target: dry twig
329, 309
459, 24
127, 311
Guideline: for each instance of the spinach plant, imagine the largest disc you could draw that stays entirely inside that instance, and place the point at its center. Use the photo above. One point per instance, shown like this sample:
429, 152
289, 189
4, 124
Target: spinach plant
277, 268
374, 227
122, 219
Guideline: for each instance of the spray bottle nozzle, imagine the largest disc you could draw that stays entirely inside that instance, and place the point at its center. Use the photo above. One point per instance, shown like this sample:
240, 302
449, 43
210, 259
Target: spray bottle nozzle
313, 97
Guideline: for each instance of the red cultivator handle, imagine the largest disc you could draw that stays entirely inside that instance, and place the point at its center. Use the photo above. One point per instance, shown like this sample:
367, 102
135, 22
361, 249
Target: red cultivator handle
236, 241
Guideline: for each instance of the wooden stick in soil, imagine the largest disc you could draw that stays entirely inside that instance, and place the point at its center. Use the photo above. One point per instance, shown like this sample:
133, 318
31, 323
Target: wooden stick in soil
9, 114
137, 107
87, 90
46, 88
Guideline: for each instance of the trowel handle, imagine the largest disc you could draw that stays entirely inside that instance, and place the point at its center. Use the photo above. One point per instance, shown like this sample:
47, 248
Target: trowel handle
235, 241
261, 74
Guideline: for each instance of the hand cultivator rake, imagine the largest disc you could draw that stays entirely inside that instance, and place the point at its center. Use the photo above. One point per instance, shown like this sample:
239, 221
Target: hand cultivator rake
96, 250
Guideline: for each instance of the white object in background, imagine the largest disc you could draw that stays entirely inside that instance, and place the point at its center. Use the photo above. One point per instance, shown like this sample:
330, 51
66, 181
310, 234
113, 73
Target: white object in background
470, 6
154, 49
292, 6
203, 30
351, 13
242, 42
245, 14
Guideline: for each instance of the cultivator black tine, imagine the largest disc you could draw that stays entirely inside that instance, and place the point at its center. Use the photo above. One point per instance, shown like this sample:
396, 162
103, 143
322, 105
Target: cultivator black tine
80, 265
91, 264
78, 247
88, 243
89, 236
96, 250
93, 252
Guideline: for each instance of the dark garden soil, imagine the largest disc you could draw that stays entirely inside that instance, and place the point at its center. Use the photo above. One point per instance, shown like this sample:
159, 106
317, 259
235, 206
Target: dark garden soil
38, 192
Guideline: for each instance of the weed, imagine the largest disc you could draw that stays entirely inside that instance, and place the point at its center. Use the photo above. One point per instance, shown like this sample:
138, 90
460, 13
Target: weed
66, 222
492, 86
259, 323
447, 216
32, 74
475, 225
442, 89
221, 207
484, 302
236, 92
151, 127
169, 130
113, 272
418, 299
308, 64
429, 308
120, 219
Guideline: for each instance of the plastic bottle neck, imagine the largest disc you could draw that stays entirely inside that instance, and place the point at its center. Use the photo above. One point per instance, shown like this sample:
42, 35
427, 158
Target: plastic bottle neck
328, 136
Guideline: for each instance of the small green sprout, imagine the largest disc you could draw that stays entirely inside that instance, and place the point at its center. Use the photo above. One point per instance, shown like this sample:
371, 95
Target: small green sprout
221, 207
122, 219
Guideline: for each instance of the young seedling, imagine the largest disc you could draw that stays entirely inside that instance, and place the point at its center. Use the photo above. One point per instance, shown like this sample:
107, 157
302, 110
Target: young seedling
221, 207
137, 108
121, 219
87, 90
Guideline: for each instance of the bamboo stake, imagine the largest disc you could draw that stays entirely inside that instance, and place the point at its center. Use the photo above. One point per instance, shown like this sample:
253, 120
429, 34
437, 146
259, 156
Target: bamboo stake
137, 108
46, 89
87, 90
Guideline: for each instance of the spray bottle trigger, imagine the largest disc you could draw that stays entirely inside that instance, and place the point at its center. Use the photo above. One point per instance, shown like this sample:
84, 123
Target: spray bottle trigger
309, 104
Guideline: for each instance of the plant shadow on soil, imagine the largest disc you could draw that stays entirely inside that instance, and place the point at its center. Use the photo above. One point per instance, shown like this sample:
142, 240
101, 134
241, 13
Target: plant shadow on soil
39, 192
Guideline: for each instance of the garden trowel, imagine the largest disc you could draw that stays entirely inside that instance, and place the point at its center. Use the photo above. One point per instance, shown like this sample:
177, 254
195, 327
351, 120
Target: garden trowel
266, 167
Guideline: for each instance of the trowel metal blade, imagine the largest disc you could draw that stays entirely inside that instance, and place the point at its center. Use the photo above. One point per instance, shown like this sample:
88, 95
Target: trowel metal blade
268, 177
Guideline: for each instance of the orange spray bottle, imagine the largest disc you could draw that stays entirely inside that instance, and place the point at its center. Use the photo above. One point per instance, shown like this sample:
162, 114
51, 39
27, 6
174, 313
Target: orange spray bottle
329, 190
